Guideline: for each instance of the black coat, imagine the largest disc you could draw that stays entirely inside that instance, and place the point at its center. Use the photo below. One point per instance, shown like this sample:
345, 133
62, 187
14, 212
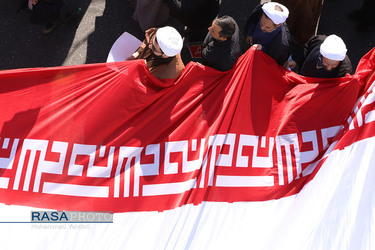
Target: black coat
194, 13
197, 15
282, 46
221, 55
312, 54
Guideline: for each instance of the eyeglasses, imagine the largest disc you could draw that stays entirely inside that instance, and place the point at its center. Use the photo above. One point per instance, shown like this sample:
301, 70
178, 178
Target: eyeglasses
326, 63
320, 64
154, 39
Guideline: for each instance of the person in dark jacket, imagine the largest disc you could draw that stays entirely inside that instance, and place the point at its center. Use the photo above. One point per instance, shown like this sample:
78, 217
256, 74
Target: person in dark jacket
196, 15
150, 13
303, 18
221, 47
267, 28
325, 57
364, 16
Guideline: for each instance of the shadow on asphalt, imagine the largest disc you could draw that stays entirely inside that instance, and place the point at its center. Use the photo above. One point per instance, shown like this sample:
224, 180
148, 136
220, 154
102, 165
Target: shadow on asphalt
24, 45
116, 19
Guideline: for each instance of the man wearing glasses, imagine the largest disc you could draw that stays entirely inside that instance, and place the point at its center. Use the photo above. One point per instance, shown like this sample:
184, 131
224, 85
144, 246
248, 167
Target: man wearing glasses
326, 57
161, 52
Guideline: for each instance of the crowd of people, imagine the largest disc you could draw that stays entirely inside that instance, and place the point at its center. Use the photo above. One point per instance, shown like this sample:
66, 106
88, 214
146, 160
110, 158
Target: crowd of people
266, 28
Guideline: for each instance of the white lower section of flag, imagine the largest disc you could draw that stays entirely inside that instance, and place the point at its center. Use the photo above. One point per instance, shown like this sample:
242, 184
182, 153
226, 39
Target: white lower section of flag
336, 210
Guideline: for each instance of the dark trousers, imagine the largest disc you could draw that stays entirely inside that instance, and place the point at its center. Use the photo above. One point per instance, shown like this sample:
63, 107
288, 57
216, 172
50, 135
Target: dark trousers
45, 12
197, 15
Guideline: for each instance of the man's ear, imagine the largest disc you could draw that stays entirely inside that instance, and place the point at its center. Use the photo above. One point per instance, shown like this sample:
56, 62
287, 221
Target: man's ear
279, 25
223, 38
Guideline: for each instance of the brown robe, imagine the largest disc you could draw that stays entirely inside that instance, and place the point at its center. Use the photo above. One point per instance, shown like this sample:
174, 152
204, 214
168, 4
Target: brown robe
161, 68
303, 18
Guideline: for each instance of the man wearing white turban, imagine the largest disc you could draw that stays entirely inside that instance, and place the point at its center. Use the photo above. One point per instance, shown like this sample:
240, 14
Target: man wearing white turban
161, 51
267, 28
325, 57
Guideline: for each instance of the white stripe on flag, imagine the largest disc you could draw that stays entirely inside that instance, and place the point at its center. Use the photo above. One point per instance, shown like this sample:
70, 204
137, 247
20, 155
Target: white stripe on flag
75, 190
4, 182
169, 188
244, 181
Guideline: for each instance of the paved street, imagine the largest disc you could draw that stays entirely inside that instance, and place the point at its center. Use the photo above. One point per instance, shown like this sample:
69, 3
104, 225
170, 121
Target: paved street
89, 36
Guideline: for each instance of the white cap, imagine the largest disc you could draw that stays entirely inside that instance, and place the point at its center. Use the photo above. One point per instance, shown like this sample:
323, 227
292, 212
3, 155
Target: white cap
275, 15
333, 48
169, 40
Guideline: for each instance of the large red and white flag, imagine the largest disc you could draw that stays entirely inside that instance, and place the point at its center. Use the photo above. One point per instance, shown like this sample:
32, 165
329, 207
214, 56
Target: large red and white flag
257, 157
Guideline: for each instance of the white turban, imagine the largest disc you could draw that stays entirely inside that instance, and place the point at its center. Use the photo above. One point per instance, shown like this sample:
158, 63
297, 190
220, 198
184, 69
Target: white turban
333, 48
276, 16
169, 40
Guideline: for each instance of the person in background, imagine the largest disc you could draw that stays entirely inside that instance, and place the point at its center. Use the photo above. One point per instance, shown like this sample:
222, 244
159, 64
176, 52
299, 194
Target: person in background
196, 15
266, 27
364, 16
149, 13
325, 57
161, 52
221, 47
303, 18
